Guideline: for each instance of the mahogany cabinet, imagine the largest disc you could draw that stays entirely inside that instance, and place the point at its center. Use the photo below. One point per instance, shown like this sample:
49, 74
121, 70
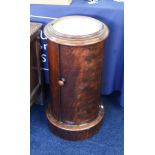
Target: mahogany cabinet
75, 111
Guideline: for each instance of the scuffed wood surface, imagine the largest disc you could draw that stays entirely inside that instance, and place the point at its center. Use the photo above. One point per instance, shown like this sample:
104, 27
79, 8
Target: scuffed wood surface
34, 27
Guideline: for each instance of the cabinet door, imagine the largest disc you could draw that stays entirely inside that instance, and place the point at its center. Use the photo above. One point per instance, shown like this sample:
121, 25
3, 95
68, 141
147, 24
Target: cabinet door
80, 95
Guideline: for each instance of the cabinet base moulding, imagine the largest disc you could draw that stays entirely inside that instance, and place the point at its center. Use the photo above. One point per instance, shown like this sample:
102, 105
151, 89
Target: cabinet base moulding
75, 132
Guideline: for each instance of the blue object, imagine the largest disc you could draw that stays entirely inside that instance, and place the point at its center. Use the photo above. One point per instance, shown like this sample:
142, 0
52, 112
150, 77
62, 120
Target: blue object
108, 141
107, 11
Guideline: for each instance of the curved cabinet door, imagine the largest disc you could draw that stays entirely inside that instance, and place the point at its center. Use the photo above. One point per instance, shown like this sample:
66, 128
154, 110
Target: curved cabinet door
80, 95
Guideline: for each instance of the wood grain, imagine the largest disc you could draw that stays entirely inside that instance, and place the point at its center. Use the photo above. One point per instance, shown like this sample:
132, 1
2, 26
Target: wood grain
81, 67
54, 73
74, 101
75, 132
36, 84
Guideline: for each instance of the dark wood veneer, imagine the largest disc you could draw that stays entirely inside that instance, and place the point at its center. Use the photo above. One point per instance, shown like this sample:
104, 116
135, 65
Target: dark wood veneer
36, 85
77, 100
75, 65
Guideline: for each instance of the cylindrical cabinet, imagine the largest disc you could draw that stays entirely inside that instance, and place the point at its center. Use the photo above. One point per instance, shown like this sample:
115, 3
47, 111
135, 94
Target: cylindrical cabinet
75, 54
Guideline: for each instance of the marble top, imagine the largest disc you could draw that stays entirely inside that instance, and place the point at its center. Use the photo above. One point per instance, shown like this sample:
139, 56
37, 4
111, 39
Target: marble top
34, 27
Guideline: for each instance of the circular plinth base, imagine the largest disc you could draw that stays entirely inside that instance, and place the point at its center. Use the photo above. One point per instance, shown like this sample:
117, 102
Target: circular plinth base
75, 132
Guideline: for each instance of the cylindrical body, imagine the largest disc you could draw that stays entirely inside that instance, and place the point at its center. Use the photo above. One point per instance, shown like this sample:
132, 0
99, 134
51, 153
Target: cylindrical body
75, 69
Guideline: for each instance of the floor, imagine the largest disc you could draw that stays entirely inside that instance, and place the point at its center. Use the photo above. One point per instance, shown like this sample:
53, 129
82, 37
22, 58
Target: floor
108, 141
